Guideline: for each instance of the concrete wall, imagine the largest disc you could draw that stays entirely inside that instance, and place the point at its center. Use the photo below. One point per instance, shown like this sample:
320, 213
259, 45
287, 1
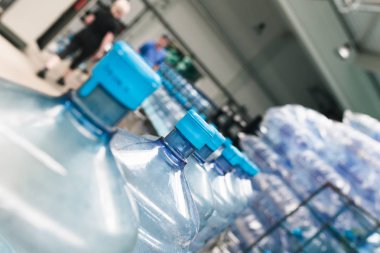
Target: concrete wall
275, 62
239, 19
318, 27
365, 26
284, 68
30, 18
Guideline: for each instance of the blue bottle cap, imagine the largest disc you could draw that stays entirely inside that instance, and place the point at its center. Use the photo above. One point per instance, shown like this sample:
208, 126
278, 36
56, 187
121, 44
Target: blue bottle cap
231, 153
181, 99
297, 232
195, 129
124, 75
217, 140
195, 110
350, 234
248, 167
170, 87
238, 158
227, 143
167, 84
203, 116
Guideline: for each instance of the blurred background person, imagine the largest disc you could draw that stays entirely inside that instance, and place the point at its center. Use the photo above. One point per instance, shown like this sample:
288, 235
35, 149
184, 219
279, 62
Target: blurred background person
154, 53
101, 28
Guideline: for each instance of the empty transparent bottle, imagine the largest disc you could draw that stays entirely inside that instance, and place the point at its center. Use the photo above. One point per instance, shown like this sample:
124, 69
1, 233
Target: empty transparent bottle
223, 200
363, 123
60, 189
240, 184
154, 171
197, 177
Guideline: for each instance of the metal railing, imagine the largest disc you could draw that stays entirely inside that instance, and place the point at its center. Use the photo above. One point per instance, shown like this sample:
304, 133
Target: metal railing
330, 225
325, 225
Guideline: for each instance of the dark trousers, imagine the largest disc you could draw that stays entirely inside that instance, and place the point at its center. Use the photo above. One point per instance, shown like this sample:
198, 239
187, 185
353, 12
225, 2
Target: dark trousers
82, 50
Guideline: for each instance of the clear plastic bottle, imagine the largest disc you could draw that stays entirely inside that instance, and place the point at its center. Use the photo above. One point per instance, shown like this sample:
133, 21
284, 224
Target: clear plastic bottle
276, 196
198, 180
223, 199
163, 111
363, 123
352, 156
245, 231
240, 185
274, 200
60, 189
154, 172
264, 156
304, 174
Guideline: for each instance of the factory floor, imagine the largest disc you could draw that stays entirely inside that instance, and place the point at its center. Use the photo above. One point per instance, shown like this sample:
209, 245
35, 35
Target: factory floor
20, 67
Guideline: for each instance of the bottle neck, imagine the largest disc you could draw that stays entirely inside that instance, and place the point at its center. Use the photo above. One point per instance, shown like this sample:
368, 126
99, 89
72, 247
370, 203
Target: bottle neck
222, 166
202, 154
179, 144
93, 114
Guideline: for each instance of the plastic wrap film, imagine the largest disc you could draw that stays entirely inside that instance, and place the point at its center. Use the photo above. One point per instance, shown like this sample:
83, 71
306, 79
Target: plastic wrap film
298, 151
163, 111
306, 138
363, 123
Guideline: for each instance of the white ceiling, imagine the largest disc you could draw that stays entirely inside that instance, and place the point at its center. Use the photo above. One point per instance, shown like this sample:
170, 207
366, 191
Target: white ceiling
239, 18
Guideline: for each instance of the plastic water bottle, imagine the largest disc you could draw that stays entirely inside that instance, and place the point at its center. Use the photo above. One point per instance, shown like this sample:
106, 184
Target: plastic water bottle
244, 232
223, 199
273, 200
163, 110
354, 156
198, 180
363, 123
154, 172
240, 184
246, 171
60, 189
307, 173
264, 155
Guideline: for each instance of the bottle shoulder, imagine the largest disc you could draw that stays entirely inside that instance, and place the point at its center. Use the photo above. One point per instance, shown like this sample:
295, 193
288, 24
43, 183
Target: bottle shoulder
159, 187
51, 176
147, 149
